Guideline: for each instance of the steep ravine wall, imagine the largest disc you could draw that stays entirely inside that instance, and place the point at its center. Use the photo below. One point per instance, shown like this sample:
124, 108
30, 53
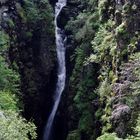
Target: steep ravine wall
102, 59
102, 38
32, 48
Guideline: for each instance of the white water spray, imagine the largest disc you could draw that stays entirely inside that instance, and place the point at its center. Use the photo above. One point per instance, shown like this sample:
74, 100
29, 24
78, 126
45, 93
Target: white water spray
61, 72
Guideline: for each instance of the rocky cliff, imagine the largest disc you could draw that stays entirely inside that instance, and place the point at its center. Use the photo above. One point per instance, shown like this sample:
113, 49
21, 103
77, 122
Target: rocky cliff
104, 36
29, 25
101, 97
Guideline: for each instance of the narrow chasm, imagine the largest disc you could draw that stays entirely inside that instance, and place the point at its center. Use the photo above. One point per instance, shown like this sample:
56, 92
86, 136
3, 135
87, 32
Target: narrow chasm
69, 69
56, 124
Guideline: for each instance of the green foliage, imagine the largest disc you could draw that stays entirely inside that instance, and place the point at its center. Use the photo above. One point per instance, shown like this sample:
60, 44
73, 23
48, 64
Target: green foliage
105, 53
8, 101
137, 132
36, 16
87, 30
82, 101
13, 127
104, 89
83, 27
113, 136
4, 41
83, 97
32, 16
99, 113
108, 136
31, 11
9, 79
133, 43
34, 12
104, 45
121, 30
86, 122
100, 40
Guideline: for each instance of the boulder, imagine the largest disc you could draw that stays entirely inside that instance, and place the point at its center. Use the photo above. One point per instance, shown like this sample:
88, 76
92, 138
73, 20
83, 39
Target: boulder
120, 118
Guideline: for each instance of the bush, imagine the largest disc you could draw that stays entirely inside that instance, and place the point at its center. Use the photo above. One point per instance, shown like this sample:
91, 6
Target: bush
9, 79
4, 41
8, 101
13, 127
103, 45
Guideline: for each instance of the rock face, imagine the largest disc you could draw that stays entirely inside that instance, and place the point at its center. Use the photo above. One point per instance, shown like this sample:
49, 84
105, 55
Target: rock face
32, 47
118, 107
120, 118
123, 111
101, 93
53, 2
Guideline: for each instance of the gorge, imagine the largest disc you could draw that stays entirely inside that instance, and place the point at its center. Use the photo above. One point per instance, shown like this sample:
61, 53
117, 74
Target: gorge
69, 70
61, 72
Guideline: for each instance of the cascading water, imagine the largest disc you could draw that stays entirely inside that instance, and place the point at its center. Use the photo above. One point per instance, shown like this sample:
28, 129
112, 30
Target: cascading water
61, 73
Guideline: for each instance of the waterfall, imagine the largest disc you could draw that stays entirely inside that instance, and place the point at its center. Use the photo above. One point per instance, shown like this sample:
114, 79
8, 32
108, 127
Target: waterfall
61, 72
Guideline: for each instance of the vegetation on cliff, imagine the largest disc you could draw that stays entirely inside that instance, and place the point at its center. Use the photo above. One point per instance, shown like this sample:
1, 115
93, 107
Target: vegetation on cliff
26, 30
103, 91
12, 125
104, 102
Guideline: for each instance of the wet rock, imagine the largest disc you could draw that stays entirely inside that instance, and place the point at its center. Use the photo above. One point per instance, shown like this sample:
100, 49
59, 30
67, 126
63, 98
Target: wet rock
122, 115
121, 88
52, 2
63, 17
120, 118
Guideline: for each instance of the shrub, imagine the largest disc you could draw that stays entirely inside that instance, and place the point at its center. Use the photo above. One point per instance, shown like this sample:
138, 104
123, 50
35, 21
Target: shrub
8, 101
9, 79
13, 127
4, 41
